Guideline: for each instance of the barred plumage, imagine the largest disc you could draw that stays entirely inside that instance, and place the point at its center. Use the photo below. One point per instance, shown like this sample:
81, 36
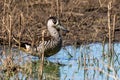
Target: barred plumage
51, 46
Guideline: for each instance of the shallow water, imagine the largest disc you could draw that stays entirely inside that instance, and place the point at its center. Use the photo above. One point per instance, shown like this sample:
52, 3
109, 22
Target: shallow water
87, 62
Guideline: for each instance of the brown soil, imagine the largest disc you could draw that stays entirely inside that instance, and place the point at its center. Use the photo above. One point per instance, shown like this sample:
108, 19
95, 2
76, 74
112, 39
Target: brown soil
87, 20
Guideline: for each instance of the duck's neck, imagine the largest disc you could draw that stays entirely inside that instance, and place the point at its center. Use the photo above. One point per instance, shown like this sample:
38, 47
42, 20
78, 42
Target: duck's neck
54, 33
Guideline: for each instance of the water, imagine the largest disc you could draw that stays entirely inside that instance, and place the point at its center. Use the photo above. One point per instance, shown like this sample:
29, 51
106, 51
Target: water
87, 62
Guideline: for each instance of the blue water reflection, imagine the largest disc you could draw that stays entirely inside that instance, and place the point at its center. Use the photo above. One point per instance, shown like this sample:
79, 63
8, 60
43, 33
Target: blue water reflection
88, 62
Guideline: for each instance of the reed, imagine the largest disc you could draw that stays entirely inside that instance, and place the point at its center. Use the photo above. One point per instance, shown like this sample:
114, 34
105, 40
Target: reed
42, 57
109, 27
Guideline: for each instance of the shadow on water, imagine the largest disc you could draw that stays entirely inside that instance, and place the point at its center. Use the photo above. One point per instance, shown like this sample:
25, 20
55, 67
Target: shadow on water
87, 62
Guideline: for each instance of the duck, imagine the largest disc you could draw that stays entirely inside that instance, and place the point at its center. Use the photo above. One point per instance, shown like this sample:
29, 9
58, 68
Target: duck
51, 45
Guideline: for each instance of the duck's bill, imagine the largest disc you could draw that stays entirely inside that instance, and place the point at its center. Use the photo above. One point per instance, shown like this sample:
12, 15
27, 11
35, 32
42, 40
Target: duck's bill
62, 28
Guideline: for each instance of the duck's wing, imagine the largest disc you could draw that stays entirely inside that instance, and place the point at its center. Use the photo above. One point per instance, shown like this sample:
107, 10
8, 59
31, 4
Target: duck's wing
25, 44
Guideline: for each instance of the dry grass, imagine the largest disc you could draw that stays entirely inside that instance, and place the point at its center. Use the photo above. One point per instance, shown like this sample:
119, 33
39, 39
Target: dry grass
25, 20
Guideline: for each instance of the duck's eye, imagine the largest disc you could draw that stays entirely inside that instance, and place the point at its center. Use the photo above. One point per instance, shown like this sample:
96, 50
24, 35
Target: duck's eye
54, 21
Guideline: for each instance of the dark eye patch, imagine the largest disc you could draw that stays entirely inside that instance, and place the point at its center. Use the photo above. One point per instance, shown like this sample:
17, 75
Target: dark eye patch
54, 19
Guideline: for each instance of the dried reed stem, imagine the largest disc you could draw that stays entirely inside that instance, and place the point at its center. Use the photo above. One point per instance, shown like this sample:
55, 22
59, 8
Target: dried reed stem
110, 59
109, 27
42, 60
100, 3
113, 32
10, 31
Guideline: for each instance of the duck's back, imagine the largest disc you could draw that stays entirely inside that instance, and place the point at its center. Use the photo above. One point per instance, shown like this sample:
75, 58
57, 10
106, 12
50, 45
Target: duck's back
50, 47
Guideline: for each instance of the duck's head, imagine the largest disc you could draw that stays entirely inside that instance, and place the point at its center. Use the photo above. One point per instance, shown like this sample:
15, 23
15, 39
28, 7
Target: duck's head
54, 22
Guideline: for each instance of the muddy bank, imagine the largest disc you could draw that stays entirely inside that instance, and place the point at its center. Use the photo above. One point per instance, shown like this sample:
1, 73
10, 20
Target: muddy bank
87, 20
